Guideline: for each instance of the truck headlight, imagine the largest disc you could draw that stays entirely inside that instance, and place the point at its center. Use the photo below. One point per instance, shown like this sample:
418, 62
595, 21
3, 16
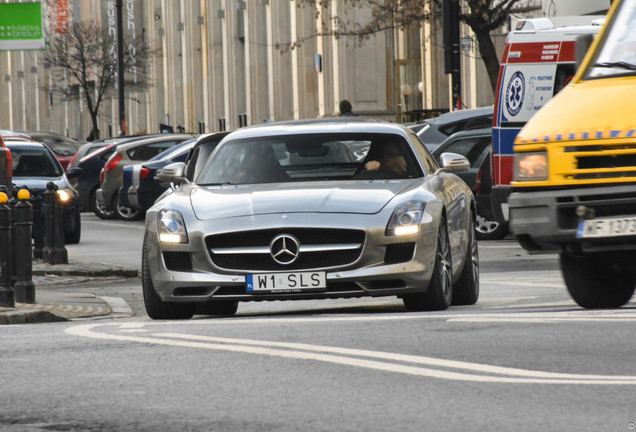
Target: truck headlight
405, 219
171, 227
531, 166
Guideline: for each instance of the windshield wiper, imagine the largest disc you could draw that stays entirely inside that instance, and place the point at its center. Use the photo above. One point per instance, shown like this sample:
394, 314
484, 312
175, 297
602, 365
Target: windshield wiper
616, 65
219, 184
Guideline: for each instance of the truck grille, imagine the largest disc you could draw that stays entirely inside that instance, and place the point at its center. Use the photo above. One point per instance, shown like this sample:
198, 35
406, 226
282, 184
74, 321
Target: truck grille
602, 161
319, 248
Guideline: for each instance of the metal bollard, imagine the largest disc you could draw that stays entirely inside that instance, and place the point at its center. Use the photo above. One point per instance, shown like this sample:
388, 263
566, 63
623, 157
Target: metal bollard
12, 202
23, 289
53, 251
38, 223
48, 210
6, 291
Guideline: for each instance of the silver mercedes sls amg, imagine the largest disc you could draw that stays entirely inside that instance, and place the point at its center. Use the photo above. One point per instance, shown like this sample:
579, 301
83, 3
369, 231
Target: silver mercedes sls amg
332, 208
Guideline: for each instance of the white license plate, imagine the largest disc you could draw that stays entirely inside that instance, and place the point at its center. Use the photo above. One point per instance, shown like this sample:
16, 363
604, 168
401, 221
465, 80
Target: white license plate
607, 227
286, 282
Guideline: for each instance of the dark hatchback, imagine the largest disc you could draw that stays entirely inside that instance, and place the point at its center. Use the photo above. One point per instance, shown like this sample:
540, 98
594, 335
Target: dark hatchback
35, 165
476, 146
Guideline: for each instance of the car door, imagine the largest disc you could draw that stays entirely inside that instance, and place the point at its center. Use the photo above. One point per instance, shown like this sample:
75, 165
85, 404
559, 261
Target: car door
474, 148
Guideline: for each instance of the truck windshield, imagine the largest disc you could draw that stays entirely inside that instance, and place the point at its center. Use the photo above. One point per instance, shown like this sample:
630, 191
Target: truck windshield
617, 55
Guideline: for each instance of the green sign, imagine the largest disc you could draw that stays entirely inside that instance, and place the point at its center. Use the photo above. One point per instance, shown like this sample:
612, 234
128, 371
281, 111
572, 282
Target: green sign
21, 26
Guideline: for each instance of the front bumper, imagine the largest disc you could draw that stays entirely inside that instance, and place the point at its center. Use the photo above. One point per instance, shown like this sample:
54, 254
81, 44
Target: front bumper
369, 275
546, 221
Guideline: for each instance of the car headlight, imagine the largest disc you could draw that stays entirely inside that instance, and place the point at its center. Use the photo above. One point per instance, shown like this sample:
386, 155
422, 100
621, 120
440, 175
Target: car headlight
64, 194
405, 219
171, 227
531, 166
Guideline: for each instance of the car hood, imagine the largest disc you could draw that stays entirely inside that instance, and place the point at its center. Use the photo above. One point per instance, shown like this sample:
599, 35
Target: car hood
334, 197
40, 182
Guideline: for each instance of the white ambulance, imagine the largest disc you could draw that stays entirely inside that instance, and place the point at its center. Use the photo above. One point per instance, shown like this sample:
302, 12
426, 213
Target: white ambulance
540, 57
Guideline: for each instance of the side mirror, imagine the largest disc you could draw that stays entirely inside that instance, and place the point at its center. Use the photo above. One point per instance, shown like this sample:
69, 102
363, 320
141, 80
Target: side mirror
582, 45
453, 163
173, 173
74, 173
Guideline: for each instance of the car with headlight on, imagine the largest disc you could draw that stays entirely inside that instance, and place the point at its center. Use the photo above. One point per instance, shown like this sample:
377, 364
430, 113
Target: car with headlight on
287, 211
35, 165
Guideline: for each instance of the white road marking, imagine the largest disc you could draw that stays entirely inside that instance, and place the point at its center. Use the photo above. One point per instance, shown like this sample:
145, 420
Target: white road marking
376, 360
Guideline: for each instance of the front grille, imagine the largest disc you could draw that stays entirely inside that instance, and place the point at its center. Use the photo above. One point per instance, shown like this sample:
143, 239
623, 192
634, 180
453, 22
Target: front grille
177, 261
249, 250
399, 252
604, 160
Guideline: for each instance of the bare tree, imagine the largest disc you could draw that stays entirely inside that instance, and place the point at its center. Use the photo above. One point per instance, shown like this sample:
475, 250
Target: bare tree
482, 16
83, 63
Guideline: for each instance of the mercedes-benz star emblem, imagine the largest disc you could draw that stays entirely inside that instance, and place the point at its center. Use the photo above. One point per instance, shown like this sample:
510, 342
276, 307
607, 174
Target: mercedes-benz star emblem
284, 249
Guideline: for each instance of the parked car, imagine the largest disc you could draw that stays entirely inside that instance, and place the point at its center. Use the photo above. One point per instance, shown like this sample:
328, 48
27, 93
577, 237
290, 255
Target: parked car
6, 165
63, 148
303, 223
129, 153
475, 145
92, 157
439, 128
139, 190
35, 165
488, 228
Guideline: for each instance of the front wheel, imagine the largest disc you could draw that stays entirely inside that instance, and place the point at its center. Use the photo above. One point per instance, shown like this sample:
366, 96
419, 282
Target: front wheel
439, 294
466, 290
599, 280
491, 229
155, 307
73, 237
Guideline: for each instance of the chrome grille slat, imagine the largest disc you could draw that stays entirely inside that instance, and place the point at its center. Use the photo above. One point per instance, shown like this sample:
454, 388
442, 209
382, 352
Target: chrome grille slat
319, 248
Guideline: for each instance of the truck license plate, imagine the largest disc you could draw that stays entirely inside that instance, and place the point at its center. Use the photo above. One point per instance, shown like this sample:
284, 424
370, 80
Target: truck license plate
607, 227
285, 282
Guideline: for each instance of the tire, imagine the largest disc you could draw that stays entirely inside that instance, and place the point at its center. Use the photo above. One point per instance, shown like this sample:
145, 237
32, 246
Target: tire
466, 290
101, 211
439, 294
226, 308
490, 229
125, 213
599, 280
155, 307
73, 237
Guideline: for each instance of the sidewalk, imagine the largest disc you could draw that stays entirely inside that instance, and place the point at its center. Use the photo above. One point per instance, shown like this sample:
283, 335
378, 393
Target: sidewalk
52, 306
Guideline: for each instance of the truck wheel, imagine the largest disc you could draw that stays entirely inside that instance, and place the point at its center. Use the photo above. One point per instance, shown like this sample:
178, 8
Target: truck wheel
155, 307
490, 229
466, 290
599, 280
439, 294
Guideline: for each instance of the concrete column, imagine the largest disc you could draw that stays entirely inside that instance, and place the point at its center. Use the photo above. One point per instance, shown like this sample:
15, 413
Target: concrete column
335, 62
295, 68
270, 61
205, 92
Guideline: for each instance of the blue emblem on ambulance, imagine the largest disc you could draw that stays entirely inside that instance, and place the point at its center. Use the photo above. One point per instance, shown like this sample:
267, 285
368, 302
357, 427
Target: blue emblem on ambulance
515, 93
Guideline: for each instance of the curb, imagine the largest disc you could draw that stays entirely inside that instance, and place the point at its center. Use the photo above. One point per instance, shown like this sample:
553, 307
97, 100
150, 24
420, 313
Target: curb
29, 317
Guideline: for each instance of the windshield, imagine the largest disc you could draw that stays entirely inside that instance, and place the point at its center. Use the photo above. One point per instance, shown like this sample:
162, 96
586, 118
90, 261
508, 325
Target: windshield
34, 161
617, 56
174, 151
311, 157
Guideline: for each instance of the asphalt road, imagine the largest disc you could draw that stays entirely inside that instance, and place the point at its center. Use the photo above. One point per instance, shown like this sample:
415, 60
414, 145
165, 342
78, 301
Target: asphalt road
524, 358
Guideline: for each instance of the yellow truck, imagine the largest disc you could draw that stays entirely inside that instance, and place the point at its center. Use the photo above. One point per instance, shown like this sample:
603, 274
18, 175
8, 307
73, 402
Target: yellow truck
574, 181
